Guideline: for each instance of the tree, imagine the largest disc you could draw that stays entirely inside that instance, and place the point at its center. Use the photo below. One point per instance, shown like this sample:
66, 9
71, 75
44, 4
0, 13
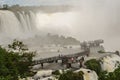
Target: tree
18, 46
14, 64
5, 6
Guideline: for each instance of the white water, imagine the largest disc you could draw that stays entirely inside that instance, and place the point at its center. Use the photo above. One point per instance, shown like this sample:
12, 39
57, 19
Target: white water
9, 24
11, 27
29, 23
42, 73
22, 25
88, 74
110, 63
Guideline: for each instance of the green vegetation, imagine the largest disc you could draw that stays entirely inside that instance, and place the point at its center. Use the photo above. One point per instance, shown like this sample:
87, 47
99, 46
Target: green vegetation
18, 46
101, 51
94, 64
117, 52
4, 7
70, 75
56, 72
110, 76
15, 62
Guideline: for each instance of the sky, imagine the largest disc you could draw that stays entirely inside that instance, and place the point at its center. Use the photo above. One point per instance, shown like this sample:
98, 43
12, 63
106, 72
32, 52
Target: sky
37, 2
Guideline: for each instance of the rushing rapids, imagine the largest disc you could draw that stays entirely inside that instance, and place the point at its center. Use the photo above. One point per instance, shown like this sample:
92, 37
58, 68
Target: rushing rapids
110, 63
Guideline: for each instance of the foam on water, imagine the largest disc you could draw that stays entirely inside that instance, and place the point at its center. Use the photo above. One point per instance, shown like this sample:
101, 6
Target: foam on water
110, 63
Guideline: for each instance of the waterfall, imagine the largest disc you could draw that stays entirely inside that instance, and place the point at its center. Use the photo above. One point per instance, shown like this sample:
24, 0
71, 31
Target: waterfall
28, 23
9, 24
17, 24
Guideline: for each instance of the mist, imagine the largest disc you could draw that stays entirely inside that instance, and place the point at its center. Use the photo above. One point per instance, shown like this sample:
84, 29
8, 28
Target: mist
87, 20
98, 19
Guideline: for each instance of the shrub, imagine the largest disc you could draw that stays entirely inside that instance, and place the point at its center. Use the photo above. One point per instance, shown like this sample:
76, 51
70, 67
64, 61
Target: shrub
94, 64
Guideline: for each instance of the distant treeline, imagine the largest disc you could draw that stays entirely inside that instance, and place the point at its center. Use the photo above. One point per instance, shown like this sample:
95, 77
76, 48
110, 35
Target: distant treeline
54, 40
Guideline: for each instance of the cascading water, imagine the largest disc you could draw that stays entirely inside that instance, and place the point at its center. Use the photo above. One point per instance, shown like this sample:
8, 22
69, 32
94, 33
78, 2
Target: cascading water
27, 21
110, 63
23, 24
9, 24
17, 25
26, 24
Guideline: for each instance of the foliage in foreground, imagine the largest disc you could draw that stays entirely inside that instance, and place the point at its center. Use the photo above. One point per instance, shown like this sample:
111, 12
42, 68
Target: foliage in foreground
70, 75
15, 64
110, 76
94, 64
